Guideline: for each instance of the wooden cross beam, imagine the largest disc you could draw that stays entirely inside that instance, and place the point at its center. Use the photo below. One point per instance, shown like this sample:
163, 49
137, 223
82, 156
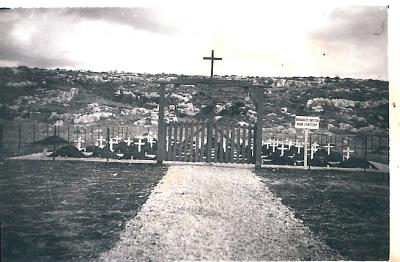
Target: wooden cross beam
212, 58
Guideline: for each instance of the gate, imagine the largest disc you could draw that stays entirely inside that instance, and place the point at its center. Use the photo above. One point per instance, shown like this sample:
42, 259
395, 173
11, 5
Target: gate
210, 141
205, 141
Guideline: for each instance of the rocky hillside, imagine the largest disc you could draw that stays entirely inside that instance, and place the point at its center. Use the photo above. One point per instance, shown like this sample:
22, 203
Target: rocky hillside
65, 97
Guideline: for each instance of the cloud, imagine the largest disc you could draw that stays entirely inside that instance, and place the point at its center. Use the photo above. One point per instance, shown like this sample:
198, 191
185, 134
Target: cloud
273, 41
351, 41
137, 17
353, 24
30, 38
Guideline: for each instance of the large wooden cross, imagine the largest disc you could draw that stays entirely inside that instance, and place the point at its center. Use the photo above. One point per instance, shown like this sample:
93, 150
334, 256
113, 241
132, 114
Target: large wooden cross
212, 58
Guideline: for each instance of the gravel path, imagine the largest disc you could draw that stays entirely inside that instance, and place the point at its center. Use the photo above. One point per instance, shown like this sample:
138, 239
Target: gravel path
215, 213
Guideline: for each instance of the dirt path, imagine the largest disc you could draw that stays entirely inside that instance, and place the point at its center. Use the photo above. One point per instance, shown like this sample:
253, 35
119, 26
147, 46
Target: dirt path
209, 213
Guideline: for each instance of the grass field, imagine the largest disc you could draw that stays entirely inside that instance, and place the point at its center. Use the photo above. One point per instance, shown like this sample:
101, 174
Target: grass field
348, 210
68, 210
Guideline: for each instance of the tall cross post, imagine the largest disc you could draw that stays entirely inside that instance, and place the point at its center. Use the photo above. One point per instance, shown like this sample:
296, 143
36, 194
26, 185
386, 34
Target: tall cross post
212, 58
211, 115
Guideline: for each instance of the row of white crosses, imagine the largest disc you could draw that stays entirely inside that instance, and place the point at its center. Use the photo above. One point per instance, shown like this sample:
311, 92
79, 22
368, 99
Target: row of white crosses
128, 141
314, 147
275, 145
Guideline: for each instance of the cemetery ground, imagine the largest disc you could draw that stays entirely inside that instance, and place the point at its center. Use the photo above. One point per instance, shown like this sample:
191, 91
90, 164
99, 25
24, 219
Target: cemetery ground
68, 210
348, 210
73, 210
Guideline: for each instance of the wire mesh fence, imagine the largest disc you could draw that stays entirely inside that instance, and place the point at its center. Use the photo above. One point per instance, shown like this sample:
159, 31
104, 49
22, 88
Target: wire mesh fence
370, 147
18, 139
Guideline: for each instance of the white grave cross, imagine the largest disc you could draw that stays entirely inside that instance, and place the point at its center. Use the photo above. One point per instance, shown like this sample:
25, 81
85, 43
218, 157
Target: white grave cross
274, 145
329, 146
79, 143
282, 148
298, 146
100, 142
268, 143
347, 151
149, 136
113, 141
152, 141
314, 148
140, 144
128, 141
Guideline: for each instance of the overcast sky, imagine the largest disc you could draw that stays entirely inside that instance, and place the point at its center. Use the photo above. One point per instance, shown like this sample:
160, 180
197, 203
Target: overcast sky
263, 40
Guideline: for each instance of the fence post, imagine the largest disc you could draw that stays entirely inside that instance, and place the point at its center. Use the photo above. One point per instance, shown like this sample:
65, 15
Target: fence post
34, 138
19, 138
249, 142
231, 137
91, 136
108, 142
209, 138
68, 133
365, 150
202, 139
54, 145
180, 147
380, 148
161, 126
305, 148
175, 146
237, 143
258, 134
1, 137
169, 151
196, 150
243, 145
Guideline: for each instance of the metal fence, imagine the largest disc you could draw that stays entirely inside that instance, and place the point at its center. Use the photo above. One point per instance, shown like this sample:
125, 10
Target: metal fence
18, 139
370, 147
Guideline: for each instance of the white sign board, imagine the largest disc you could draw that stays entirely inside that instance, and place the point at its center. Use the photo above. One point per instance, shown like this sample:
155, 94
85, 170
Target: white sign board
307, 122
